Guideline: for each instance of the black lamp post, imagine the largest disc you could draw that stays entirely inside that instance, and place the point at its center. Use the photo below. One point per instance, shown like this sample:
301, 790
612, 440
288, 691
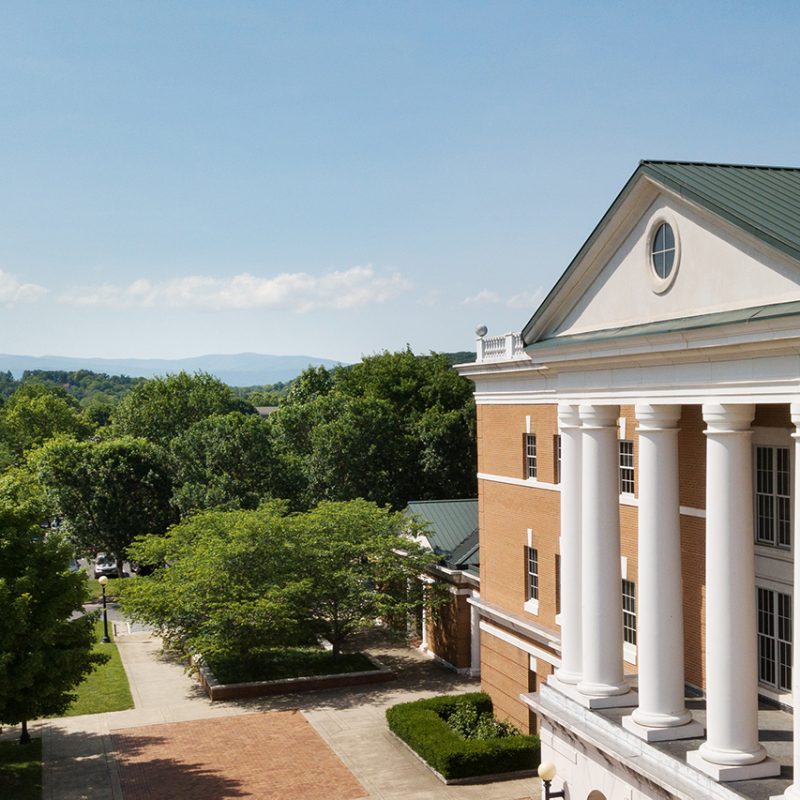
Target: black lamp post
547, 771
103, 580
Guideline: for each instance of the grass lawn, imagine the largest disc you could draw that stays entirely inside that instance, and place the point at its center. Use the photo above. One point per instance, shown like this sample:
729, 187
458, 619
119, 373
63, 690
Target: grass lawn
286, 662
106, 689
21, 770
95, 591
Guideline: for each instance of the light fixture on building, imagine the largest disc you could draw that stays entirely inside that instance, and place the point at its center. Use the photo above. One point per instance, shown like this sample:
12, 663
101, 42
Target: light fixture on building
547, 771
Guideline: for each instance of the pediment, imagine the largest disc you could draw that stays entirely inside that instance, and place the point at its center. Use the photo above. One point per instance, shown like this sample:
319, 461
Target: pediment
720, 267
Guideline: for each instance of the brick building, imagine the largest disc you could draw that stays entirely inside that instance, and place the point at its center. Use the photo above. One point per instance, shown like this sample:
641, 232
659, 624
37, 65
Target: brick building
636, 463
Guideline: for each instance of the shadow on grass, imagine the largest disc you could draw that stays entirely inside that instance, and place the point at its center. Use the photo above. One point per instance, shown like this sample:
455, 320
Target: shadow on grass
21, 770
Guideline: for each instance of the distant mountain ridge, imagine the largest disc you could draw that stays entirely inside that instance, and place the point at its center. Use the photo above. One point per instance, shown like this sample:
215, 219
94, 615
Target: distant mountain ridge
239, 369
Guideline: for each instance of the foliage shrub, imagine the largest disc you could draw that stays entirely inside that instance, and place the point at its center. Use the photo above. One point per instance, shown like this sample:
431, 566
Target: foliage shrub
469, 723
424, 726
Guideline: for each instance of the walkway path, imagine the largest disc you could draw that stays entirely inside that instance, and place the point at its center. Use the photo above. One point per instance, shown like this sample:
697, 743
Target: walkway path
79, 752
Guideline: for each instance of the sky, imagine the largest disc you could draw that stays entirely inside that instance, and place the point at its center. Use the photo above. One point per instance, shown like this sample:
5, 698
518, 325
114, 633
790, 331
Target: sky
340, 178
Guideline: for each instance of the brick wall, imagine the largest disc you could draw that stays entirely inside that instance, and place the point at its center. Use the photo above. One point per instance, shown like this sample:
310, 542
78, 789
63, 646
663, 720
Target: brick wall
449, 631
505, 674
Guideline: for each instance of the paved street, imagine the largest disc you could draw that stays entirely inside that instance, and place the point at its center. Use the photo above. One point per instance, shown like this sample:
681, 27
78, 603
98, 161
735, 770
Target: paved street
175, 743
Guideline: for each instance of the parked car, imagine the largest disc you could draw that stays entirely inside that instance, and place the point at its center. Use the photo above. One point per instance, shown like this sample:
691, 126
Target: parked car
142, 569
106, 564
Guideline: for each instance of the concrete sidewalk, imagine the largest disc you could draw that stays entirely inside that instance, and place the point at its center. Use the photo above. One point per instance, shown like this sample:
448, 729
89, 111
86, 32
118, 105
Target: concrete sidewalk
79, 762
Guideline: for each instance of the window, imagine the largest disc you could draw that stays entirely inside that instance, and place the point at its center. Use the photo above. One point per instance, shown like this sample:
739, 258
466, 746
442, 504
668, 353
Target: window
626, 478
532, 558
558, 583
662, 251
530, 455
772, 501
629, 612
557, 452
775, 639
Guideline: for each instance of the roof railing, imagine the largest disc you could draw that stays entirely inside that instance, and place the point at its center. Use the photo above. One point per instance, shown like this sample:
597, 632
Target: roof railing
507, 347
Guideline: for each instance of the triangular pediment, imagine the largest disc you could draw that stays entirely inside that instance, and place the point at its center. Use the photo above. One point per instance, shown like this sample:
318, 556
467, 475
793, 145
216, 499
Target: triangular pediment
719, 266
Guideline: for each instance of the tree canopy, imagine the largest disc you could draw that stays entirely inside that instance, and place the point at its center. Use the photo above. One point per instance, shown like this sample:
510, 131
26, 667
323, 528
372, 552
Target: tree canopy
108, 491
232, 582
44, 652
161, 408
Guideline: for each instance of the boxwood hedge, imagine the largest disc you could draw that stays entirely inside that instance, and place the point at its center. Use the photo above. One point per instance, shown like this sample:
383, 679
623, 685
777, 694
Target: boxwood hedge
422, 725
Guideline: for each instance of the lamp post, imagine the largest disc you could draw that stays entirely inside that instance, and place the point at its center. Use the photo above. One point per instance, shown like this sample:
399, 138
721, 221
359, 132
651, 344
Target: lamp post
103, 580
547, 771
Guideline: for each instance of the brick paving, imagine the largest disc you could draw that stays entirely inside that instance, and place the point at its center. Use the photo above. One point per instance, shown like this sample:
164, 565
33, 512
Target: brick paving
267, 756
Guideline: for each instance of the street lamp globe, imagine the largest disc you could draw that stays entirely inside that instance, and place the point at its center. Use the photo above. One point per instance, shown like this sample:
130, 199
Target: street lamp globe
547, 770
102, 580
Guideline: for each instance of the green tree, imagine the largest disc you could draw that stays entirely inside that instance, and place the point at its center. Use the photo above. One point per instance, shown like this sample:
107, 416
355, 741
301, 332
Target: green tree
233, 582
108, 491
44, 652
357, 558
227, 461
36, 413
227, 583
161, 408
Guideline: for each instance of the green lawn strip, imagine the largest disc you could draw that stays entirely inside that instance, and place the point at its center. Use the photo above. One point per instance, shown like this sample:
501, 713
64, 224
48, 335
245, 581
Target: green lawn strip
96, 590
105, 689
21, 770
287, 662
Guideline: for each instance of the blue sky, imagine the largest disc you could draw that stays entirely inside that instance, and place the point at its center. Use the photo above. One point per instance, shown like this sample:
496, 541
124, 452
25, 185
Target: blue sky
340, 178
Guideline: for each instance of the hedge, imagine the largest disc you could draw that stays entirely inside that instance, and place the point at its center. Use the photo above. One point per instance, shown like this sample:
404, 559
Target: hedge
422, 725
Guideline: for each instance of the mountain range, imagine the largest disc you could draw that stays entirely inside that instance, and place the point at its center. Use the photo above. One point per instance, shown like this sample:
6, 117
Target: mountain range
240, 369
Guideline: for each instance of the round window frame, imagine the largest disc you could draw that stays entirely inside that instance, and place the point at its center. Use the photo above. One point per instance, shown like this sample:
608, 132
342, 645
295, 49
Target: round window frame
657, 284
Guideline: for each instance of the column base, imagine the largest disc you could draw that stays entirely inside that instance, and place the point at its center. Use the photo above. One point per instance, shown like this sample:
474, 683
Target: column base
652, 719
628, 700
571, 678
768, 768
689, 730
592, 689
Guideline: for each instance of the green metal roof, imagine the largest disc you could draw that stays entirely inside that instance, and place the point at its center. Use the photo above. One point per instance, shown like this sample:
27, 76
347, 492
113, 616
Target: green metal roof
764, 201
452, 526
713, 320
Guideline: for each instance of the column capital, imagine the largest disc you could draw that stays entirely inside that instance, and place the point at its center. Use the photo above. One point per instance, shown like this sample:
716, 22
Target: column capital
599, 416
655, 417
568, 416
728, 417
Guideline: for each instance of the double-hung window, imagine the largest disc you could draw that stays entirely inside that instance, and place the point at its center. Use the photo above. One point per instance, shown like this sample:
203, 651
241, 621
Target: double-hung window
627, 483
774, 639
529, 443
629, 612
772, 497
532, 580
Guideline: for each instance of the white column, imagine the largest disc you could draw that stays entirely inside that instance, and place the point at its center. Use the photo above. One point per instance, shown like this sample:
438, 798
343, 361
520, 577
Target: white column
731, 750
424, 643
601, 582
569, 426
474, 638
661, 714
793, 792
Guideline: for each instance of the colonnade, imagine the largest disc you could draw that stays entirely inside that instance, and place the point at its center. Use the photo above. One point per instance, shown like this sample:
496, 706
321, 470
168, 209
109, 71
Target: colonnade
591, 609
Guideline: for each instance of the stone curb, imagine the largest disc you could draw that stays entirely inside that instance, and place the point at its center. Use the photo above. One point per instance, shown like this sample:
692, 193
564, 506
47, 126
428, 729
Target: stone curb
233, 691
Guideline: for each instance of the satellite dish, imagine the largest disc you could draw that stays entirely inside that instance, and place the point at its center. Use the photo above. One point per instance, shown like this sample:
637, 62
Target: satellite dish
481, 331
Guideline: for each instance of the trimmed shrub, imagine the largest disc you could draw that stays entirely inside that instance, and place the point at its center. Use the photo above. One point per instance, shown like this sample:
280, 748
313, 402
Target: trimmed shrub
422, 725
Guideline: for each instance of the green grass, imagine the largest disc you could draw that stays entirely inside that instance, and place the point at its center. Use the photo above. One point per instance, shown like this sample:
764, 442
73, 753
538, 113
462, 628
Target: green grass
106, 689
287, 662
95, 591
21, 770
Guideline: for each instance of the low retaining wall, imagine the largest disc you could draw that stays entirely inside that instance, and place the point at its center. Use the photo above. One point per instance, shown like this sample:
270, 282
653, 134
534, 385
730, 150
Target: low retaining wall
233, 691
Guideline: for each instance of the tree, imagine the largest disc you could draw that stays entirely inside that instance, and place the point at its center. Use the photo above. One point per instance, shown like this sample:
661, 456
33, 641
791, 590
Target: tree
393, 428
44, 652
227, 461
161, 408
36, 413
232, 583
227, 582
108, 491
358, 559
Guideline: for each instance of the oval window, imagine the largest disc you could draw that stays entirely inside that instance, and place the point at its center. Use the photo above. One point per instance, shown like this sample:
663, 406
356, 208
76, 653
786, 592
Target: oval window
662, 253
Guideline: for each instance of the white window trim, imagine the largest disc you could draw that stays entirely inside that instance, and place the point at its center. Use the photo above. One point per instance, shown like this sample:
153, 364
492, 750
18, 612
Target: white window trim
774, 437
532, 607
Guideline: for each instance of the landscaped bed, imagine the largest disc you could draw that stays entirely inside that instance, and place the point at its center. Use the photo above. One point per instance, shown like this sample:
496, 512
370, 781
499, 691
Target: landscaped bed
445, 733
286, 669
